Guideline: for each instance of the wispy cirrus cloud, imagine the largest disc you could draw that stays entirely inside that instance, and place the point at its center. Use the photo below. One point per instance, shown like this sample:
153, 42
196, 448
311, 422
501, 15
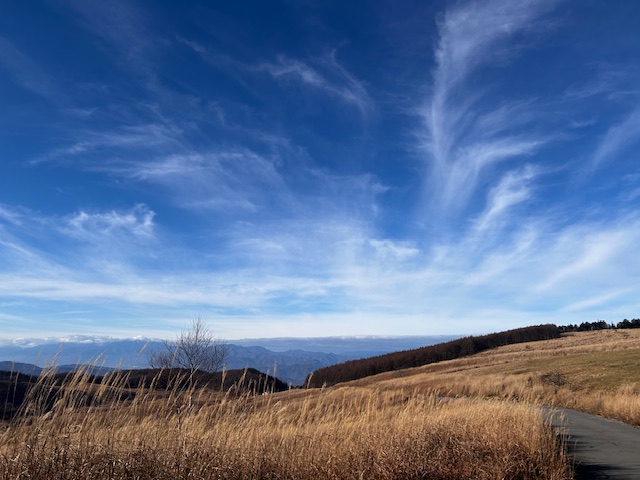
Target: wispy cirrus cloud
618, 138
346, 268
608, 80
458, 180
11, 215
321, 73
28, 73
120, 23
514, 188
205, 172
137, 222
333, 79
465, 136
143, 136
82, 238
485, 165
470, 35
243, 181
597, 249
237, 179
252, 290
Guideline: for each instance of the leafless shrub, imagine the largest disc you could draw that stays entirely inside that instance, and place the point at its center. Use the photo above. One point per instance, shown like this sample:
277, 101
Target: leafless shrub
194, 349
555, 379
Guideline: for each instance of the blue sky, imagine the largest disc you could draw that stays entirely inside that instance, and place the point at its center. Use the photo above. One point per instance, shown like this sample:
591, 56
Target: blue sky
317, 168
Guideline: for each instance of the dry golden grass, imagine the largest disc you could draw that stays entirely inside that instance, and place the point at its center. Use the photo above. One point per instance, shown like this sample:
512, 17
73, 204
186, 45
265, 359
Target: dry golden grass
84, 431
596, 372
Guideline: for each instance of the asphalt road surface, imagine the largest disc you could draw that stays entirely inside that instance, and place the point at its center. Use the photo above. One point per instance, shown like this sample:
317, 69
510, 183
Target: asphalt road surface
600, 448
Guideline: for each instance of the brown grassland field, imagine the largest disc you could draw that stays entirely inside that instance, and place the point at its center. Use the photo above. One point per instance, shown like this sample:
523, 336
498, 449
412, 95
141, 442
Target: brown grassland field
395, 425
596, 372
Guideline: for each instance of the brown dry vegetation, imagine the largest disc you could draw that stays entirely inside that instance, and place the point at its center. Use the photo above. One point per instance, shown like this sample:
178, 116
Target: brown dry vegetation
88, 431
596, 372
458, 348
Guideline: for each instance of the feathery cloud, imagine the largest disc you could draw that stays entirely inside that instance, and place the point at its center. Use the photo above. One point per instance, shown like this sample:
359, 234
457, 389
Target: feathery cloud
334, 80
465, 138
27, 73
618, 138
137, 222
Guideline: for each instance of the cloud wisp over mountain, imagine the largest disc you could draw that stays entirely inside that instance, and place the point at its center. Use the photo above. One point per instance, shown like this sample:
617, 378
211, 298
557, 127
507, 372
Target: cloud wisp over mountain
311, 170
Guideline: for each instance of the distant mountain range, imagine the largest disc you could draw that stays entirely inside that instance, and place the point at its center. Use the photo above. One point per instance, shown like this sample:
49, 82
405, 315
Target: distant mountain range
290, 359
31, 369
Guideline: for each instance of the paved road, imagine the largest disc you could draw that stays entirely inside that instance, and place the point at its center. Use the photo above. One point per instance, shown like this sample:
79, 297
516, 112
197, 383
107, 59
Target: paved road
601, 448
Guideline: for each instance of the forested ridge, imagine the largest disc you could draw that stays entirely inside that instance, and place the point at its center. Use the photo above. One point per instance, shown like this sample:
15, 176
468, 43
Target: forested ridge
461, 347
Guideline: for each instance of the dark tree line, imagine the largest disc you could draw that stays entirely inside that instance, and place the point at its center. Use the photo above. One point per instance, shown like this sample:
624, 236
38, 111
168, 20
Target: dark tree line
18, 391
635, 323
600, 325
355, 369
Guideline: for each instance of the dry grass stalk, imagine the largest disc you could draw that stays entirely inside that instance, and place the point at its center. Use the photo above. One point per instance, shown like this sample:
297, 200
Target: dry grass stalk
81, 430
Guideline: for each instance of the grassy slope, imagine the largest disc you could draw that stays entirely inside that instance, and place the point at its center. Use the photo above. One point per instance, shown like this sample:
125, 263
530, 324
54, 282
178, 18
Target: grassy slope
597, 372
389, 426
458, 348
374, 431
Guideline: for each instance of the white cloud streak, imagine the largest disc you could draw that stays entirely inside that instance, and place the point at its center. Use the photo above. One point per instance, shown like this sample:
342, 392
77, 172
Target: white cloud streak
42, 246
514, 188
342, 85
471, 33
130, 138
617, 139
118, 22
27, 73
300, 248
233, 179
348, 269
324, 74
463, 141
137, 222
11, 215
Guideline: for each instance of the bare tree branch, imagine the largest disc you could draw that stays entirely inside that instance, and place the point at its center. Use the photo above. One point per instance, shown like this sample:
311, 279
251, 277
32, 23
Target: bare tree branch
193, 349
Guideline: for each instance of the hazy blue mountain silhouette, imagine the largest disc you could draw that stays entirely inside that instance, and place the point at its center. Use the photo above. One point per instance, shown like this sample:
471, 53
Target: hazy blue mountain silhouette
291, 359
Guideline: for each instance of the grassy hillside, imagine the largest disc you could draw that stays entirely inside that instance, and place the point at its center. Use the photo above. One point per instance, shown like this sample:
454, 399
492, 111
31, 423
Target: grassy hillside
461, 347
596, 372
384, 428
395, 425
